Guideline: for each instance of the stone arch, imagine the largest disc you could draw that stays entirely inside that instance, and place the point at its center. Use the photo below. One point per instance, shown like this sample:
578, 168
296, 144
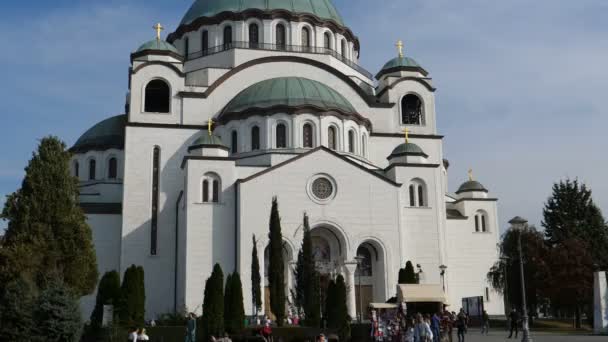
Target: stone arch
372, 283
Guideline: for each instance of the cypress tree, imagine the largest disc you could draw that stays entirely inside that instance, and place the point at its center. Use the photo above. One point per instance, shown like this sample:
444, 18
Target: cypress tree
276, 269
342, 318
213, 304
131, 308
16, 306
140, 311
237, 310
227, 304
47, 232
310, 280
331, 300
108, 293
256, 279
57, 315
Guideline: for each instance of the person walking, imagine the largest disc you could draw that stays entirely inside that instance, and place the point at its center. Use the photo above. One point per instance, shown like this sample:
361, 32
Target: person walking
461, 324
409, 330
435, 327
485, 322
447, 324
422, 331
142, 336
133, 334
514, 319
191, 328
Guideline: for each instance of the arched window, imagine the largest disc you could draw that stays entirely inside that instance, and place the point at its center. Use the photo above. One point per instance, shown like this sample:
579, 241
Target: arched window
411, 110
351, 141
92, 166
343, 47
281, 36
186, 47
254, 36
481, 225
327, 40
227, 37
205, 191
76, 169
216, 191
421, 202
234, 142
305, 37
155, 191
364, 267
112, 168
331, 138
205, 42
307, 136
363, 146
417, 193
412, 191
255, 138
281, 136
157, 97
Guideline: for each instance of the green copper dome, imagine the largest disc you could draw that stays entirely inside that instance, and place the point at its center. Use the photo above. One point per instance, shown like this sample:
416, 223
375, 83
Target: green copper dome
323, 9
408, 148
207, 139
289, 91
400, 62
471, 186
158, 45
107, 134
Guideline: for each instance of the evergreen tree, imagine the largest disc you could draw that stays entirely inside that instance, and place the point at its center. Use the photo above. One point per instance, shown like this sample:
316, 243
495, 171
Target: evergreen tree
16, 306
407, 275
298, 292
331, 307
342, 318
237, 310
131, 308
213, 304
57, 315
276, 269
108, 293
47, 231
570, 213
310, 281
256, 279
227, 304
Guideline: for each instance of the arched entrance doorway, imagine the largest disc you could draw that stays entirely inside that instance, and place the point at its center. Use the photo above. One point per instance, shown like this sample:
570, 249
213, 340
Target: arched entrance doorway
370, 276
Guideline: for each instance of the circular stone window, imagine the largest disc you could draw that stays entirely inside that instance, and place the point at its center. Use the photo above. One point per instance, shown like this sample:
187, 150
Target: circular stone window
321, 189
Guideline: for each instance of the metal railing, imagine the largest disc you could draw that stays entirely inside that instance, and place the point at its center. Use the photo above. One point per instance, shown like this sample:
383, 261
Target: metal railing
279, 47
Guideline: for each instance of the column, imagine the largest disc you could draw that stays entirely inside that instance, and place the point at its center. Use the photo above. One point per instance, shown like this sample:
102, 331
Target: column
351, 299
600, 316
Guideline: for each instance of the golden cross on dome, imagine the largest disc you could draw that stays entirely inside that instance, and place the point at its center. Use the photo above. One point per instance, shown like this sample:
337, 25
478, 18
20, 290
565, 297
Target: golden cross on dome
399, 46
158, 28
471, 175
210, 126
407, 135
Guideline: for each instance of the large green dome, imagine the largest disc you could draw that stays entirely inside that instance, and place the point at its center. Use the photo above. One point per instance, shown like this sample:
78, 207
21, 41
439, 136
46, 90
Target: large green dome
291, 92
323, 9
107, 134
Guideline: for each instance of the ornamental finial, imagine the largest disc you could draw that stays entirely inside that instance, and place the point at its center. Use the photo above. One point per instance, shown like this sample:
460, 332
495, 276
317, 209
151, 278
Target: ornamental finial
399, 46
210, 126
158, 28
471, 175
407, 135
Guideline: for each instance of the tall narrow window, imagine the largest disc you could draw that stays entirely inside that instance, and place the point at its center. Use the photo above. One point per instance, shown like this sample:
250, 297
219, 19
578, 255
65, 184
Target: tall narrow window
234, 142
331, 138
186, 47
411, 110
305, 37
281, 136
76, 169
483, 223
255, 138
205, 42
254, 36
227, 37
216, 191
307, 135
351, 141
158, 96
487, 294
112, 168
477, 223
327, 40
343, 47
155, 191
281, 40
421, 201
92, 167
205, 191
363, 146
412, 195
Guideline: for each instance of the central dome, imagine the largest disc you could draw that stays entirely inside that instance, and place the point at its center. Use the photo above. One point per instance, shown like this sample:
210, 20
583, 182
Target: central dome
290, 92
323, 9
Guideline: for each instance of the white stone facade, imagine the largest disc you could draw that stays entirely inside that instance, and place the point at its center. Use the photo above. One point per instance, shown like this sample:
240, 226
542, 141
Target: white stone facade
368, 203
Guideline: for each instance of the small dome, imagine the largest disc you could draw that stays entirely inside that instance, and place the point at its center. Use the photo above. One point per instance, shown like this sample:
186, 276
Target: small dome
158, 45
470, 186
291, 92
207, 140
324, 9
107, 134
400, 62
408, 149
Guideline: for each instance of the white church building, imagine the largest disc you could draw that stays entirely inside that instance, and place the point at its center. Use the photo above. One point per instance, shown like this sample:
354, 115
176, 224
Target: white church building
251, 99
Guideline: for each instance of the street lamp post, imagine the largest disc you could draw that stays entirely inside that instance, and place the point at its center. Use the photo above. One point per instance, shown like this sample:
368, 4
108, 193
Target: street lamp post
520, 224
359, 259
442, 269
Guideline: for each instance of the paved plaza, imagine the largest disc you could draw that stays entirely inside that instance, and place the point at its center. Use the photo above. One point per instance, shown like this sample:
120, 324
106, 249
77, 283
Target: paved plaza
496, 336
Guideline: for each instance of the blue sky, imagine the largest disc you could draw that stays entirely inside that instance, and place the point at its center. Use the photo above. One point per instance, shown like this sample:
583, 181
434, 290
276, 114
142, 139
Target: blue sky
521, 84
